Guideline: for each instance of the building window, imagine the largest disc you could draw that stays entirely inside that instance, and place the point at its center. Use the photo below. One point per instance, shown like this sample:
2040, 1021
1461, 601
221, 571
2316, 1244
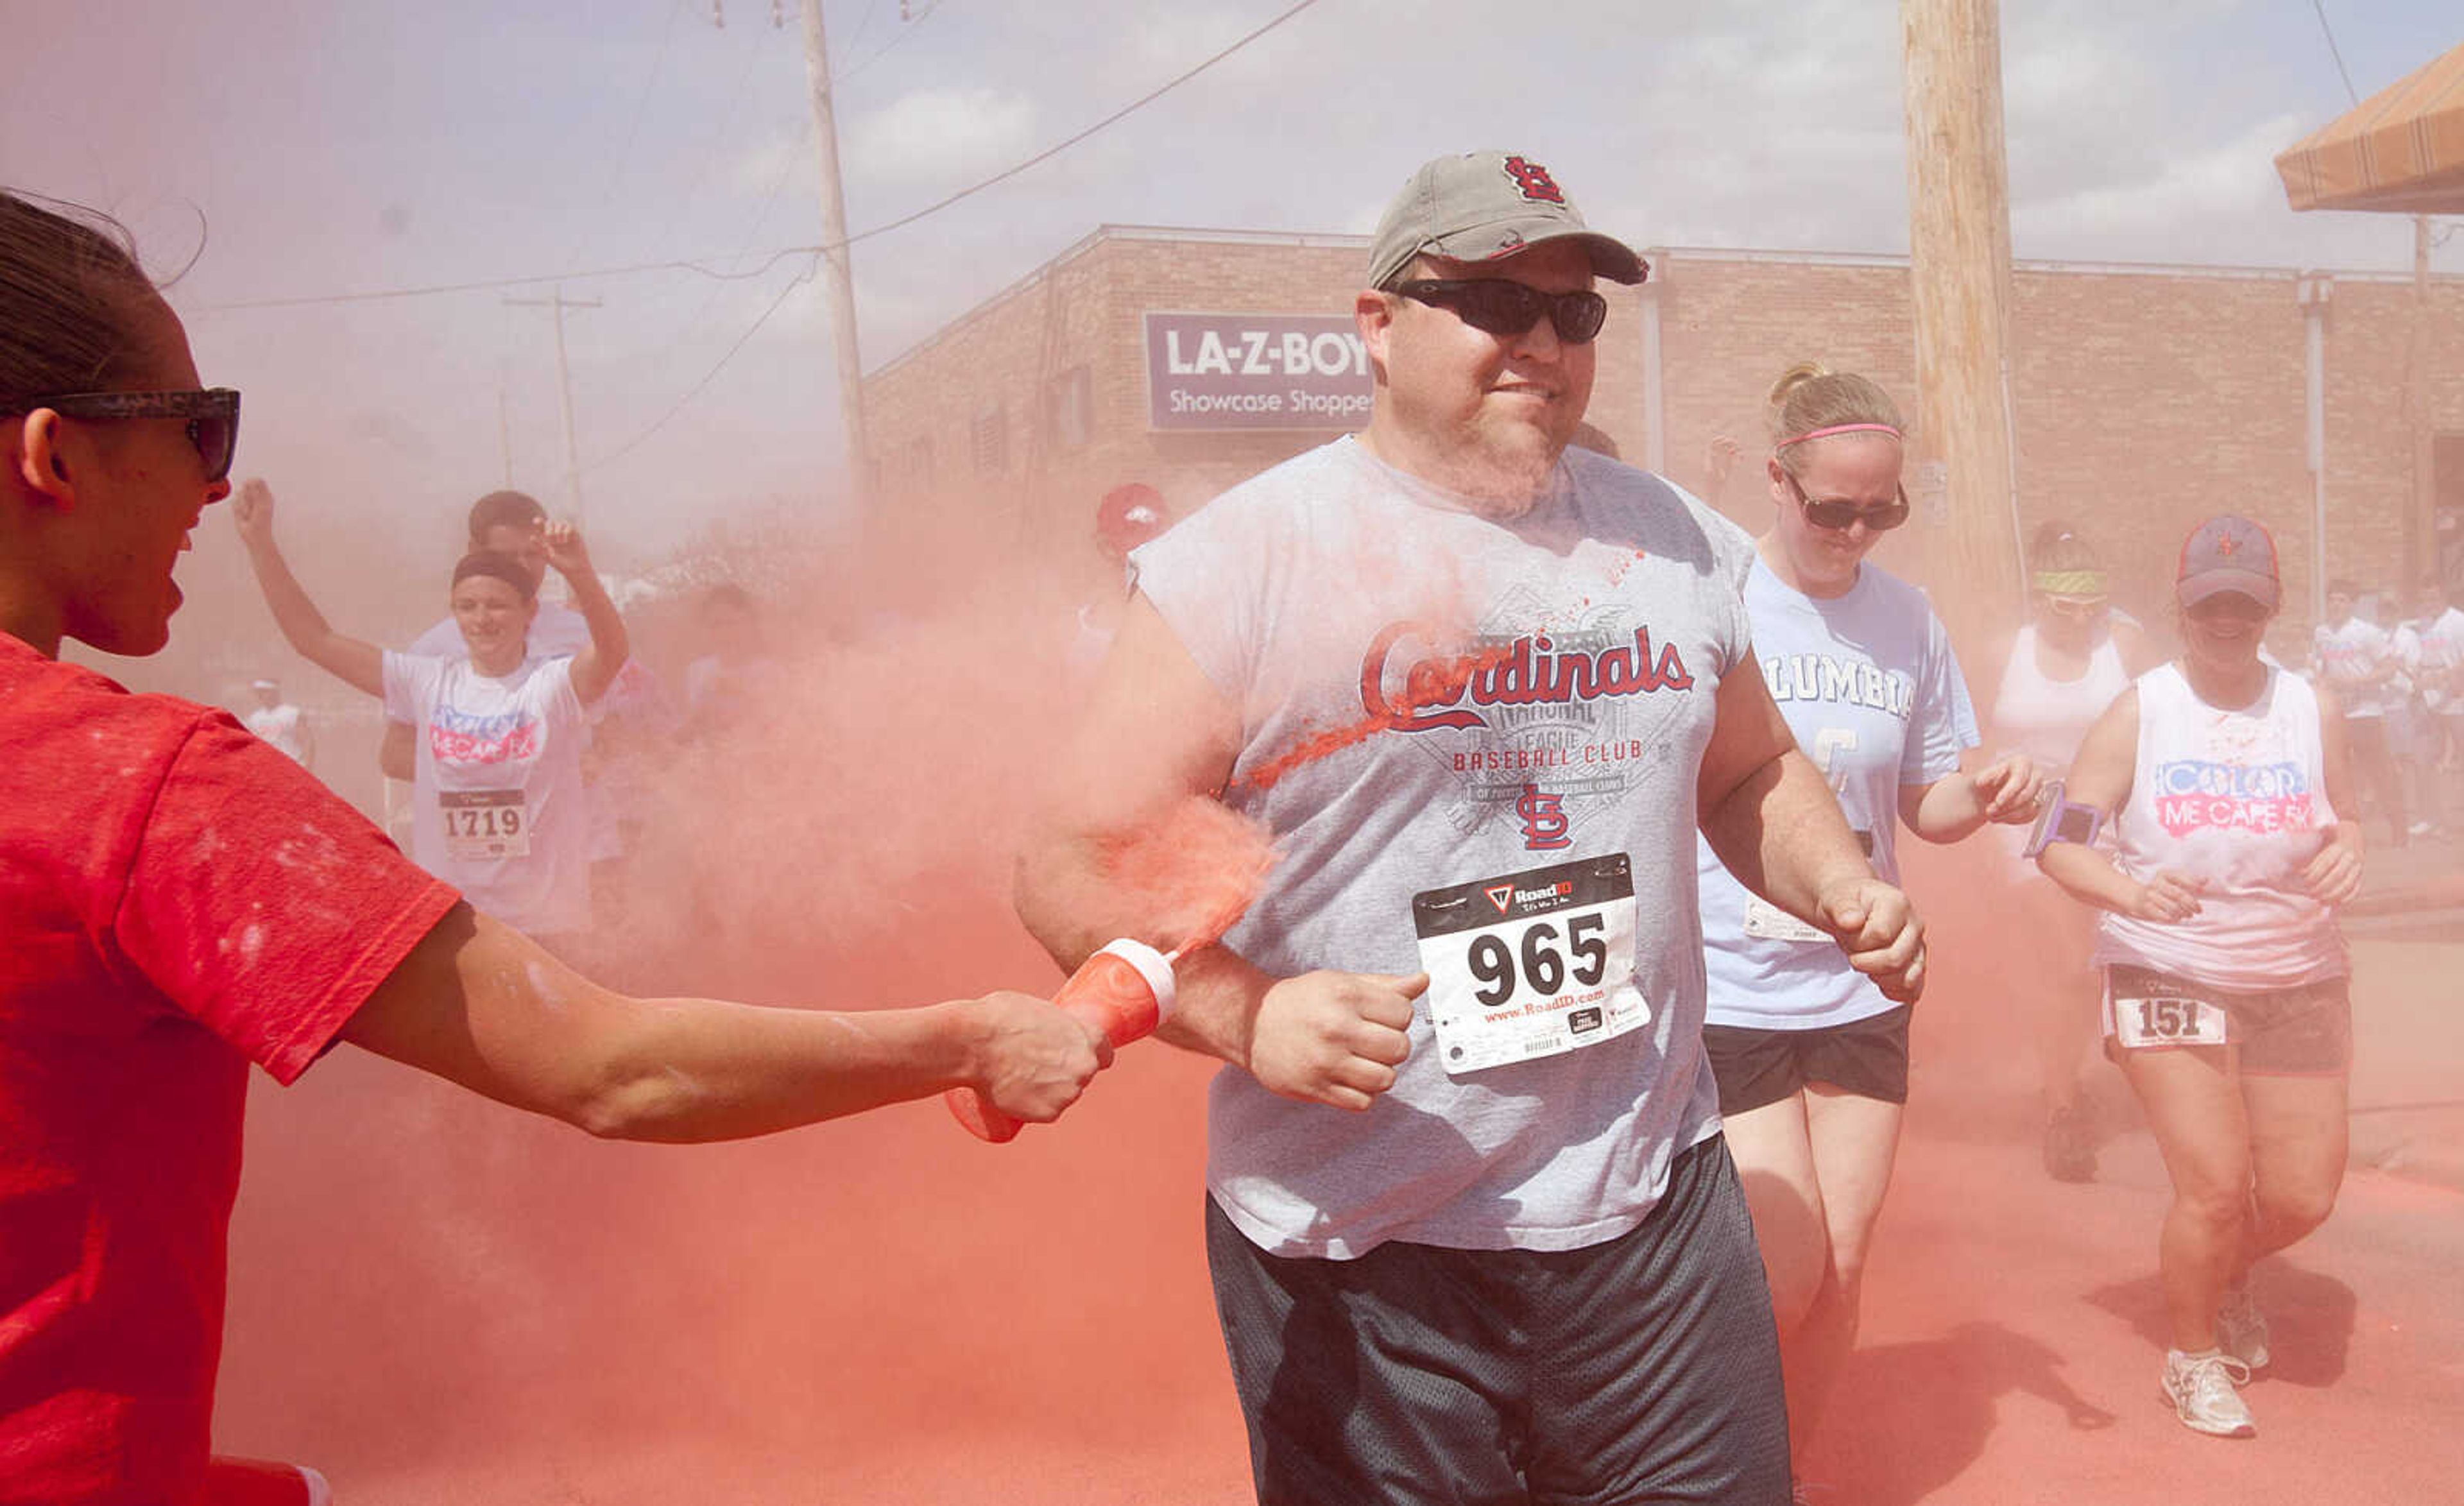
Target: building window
989, 435
919, 465
1069, 408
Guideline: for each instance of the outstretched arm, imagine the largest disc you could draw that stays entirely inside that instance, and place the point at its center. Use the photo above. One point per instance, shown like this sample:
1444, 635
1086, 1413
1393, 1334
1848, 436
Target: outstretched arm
358, 663
1954, 807
479, 1003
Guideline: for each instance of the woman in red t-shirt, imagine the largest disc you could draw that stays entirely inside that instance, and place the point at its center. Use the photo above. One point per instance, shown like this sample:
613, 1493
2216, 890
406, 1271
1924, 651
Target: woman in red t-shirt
178, 900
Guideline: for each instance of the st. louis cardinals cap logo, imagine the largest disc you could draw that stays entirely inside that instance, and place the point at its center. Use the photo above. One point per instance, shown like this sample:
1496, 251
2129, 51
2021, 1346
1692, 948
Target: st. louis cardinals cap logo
1533, 181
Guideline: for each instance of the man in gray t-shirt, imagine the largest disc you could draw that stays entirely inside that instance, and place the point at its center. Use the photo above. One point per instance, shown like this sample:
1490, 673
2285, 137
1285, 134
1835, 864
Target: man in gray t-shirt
1483, 689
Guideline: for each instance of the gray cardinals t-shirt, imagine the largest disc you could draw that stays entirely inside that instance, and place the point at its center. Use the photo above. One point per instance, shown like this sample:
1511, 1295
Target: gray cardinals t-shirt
1476, 744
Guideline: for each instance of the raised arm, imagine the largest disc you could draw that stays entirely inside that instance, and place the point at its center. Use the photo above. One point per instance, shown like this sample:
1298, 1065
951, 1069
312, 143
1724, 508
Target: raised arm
1766, 811
356, 662
481, 1005
1156, 731
596, 667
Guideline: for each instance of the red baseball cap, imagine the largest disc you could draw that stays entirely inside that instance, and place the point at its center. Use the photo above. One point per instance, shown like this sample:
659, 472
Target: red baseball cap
2227, 553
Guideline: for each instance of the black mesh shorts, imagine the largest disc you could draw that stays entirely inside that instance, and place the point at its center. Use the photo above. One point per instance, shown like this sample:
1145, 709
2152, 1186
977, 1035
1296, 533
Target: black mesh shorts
1645, 1368
1868, 1057
2302, 1032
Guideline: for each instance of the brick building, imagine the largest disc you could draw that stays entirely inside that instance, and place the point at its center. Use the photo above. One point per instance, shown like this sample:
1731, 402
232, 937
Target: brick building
2142, 396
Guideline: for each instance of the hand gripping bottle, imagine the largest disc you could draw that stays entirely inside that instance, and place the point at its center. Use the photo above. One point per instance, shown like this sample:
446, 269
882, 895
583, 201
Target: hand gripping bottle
1125, 991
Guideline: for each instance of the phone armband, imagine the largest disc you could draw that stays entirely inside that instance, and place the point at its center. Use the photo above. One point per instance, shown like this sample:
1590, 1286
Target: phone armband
2058, 820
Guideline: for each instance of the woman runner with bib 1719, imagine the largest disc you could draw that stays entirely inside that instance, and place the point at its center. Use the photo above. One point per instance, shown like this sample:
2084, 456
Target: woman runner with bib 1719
2225, 996
499, 791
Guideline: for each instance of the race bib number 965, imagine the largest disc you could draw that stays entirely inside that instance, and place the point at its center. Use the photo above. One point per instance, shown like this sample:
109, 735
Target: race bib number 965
1530, 965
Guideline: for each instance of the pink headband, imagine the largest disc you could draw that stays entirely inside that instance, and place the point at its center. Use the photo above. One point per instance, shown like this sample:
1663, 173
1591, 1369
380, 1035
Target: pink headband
1838, 428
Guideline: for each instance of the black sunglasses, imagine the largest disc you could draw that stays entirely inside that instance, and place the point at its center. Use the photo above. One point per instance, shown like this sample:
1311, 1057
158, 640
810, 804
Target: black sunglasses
1496, 306
1839, 516
212, 414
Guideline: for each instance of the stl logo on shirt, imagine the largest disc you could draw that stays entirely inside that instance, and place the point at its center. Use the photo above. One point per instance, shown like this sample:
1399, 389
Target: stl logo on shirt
1544, 824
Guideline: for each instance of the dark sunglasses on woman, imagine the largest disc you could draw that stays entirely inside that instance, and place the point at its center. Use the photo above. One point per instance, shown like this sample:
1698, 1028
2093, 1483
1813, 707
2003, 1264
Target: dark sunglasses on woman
212, 414
1839, 516
1496, 306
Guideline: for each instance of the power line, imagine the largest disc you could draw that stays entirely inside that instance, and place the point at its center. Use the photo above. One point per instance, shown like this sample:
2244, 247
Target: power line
490, 284
1050, 152
634, 127
914, 24
2321, 6
902, 222
710, 376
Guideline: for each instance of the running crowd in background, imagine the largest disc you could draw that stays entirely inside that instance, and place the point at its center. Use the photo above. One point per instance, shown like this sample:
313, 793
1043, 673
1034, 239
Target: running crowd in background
1517, 1186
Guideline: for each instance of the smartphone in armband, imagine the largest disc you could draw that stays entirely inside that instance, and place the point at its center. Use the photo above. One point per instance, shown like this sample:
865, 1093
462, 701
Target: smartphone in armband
2058, 820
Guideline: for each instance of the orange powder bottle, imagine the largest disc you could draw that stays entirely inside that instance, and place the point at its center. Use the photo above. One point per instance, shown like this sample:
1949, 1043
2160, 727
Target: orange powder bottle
1125, 990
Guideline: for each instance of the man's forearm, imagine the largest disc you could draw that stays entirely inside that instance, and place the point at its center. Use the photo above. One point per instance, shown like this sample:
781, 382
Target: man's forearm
1781, 832
1065, 907
1215, 1011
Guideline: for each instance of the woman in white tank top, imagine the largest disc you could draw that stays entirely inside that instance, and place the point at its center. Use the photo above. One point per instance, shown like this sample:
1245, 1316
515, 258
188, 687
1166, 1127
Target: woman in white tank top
2060, 672
2224, 993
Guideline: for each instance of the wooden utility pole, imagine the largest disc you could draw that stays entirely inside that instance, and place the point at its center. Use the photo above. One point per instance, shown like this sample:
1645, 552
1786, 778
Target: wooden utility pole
1959, 251
565, 394
838, 273
2422, 565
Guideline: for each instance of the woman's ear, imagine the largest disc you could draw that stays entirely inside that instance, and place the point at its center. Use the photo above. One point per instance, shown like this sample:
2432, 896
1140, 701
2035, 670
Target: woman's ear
40, 465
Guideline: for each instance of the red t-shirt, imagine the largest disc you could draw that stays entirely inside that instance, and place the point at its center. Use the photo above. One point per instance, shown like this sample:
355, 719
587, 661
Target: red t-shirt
177, 899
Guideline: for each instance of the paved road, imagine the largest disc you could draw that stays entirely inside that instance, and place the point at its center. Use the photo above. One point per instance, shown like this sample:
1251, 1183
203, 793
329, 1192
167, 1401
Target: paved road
883, 1311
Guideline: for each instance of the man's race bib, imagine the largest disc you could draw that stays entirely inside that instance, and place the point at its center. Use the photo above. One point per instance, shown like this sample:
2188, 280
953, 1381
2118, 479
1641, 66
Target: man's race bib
482, 825
1767, 922
1530, 965
2159, 1017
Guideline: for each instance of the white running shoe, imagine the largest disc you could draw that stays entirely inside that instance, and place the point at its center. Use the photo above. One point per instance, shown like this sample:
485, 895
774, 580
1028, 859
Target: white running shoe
2242, 1328
2201, 1388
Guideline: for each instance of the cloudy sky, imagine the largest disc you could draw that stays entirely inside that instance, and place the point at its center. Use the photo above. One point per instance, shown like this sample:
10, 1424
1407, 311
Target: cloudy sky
287, 149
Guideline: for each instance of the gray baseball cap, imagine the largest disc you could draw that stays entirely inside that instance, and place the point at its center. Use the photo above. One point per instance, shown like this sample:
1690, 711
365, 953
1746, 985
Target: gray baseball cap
1485, 205
2227, 553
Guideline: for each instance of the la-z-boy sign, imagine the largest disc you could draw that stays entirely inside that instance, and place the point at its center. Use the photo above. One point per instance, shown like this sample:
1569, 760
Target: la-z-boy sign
1255, 371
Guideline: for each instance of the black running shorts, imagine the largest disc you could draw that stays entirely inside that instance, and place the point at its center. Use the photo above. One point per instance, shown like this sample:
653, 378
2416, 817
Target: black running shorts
1868, 1057
1645, 1368
2301, 1031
